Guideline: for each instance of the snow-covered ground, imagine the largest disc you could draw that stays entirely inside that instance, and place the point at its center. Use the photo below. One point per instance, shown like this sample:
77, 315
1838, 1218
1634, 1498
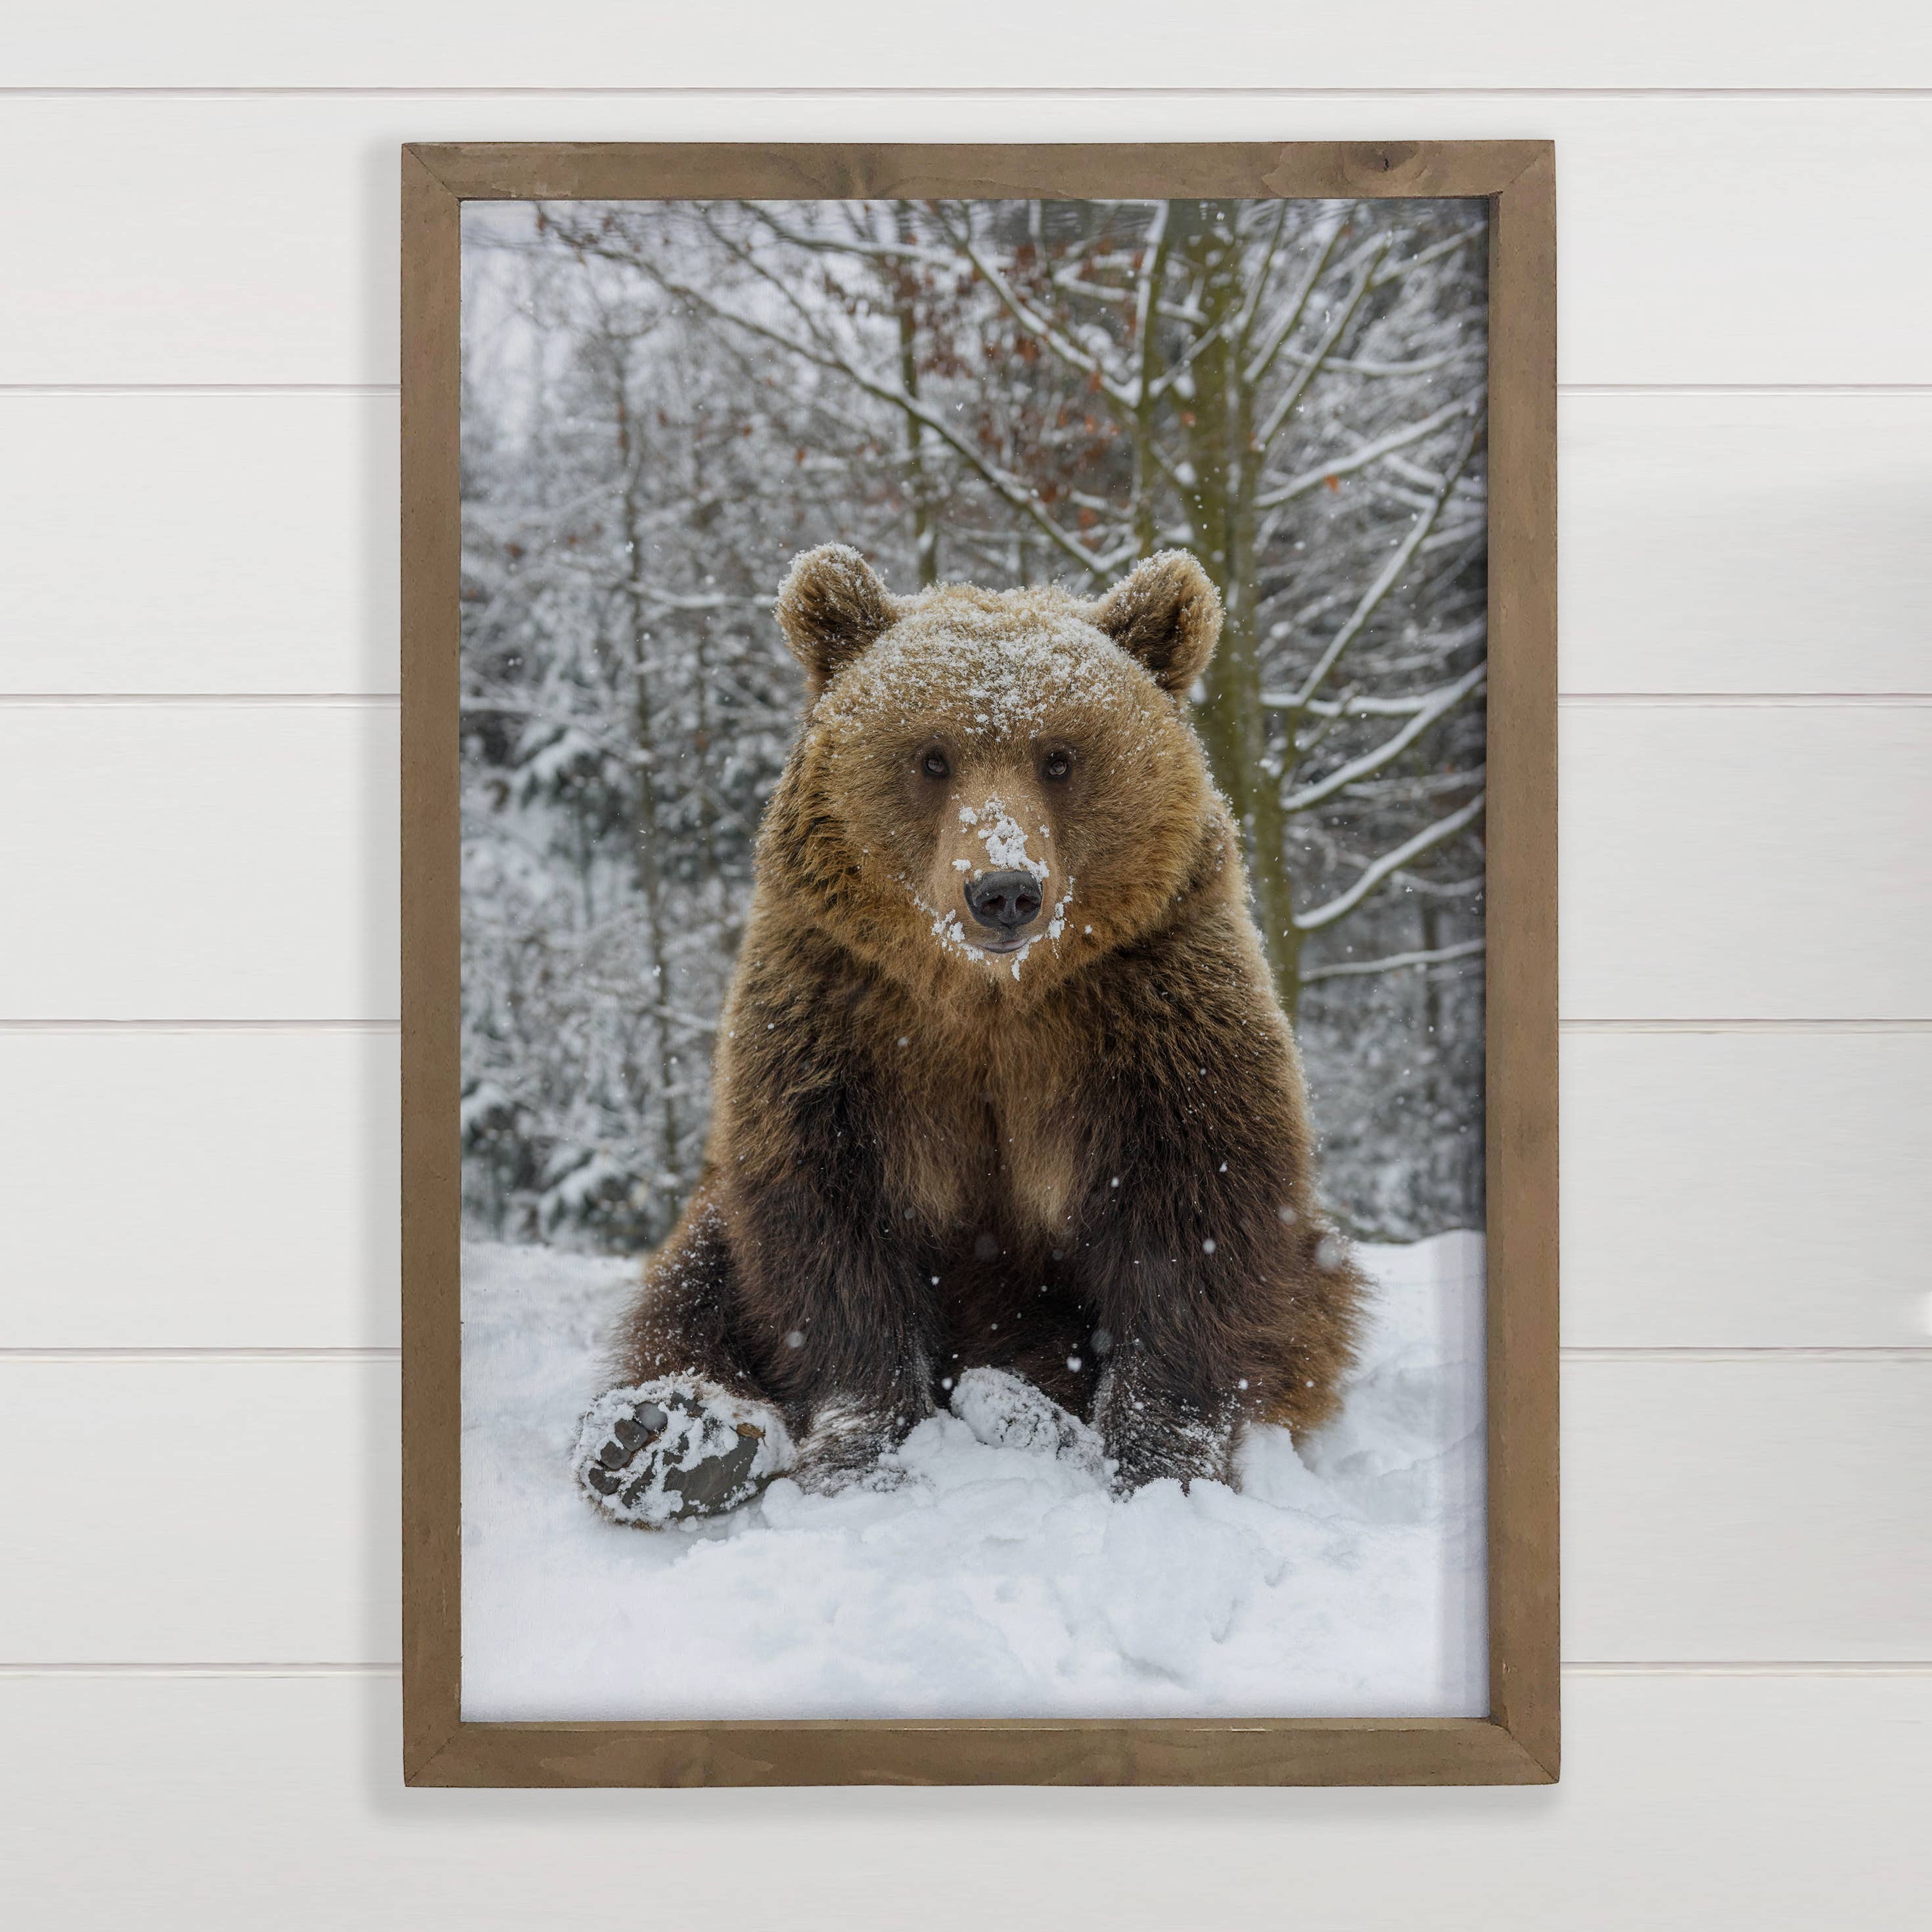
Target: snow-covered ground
1346, 1581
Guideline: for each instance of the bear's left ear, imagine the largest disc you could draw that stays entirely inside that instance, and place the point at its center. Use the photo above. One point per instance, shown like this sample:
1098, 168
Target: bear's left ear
1165, 612
830, 607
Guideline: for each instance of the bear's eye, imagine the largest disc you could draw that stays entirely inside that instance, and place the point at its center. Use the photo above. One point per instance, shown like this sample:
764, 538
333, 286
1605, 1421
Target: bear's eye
934, 764
1059, 765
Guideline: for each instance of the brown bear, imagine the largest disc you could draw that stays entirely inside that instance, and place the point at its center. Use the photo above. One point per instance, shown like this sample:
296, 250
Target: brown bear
1007, 1116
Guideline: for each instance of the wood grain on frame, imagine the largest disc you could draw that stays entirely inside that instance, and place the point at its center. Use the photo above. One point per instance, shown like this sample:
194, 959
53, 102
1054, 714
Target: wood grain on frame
431, 969
1520, 1015
1517, 1744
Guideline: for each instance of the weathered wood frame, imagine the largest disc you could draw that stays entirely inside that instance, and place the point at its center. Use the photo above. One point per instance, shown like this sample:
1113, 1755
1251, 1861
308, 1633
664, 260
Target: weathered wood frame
1517, 1742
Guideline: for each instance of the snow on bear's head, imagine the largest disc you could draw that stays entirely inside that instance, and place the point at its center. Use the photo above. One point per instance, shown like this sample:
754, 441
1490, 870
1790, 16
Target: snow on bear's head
1005, 781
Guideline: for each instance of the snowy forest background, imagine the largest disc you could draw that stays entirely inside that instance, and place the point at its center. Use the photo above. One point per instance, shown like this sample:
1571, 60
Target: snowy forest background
662, 403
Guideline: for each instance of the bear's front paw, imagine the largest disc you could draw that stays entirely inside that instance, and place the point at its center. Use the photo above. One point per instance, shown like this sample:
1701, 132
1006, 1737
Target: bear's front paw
1185, 1455
1150, 1437
674, 1449
1005, 1412
849, 1446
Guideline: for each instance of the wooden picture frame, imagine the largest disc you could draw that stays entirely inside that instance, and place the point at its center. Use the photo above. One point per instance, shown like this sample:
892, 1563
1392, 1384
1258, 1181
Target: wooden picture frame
1517, 1743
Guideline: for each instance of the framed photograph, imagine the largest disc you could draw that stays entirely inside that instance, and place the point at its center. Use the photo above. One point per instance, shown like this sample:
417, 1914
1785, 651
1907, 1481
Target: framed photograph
979, 1011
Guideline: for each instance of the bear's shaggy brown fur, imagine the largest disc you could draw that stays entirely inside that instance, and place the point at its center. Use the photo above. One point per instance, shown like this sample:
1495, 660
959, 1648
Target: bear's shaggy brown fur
1064, 1136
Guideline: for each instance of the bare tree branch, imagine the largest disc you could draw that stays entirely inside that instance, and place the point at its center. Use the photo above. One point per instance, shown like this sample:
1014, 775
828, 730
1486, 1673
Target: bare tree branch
1311, 364
1370, 452
1397, 563
1395, 271
1349, 968
1444, 702
1426, 840
1017, 494
1274, 338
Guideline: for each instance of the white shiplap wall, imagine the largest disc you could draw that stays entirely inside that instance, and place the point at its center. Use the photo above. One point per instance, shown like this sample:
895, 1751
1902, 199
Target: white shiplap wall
197, 1047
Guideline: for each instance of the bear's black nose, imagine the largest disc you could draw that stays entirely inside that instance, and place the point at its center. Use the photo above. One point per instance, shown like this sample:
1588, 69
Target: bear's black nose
1006, 900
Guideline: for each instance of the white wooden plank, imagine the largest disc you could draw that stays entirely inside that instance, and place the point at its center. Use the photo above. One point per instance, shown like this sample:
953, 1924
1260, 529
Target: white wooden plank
1687, 1805
238, 239
1746, 1509
239, 542
1742, 863
188, 1509
1746, 1190
1768, 1509
1002, 43
199, 862
194, 1189
246, 542
1746, 542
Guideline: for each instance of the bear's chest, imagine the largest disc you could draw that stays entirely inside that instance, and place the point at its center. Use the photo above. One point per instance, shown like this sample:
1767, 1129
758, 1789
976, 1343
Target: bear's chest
993, 1147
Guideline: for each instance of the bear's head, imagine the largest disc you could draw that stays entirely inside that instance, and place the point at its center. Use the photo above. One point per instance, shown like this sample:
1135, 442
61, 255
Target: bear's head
999, 783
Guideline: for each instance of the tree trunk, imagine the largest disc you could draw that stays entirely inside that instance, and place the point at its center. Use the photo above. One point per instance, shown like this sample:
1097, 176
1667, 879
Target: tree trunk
1431, 997
650, 871
925, 529
1234, 724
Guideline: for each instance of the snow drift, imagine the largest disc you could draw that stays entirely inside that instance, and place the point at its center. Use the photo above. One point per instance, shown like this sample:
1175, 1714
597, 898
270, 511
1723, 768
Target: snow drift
1346, 1580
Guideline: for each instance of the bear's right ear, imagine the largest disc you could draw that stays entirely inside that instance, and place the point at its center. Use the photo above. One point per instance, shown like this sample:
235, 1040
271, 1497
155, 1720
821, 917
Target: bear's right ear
831, 607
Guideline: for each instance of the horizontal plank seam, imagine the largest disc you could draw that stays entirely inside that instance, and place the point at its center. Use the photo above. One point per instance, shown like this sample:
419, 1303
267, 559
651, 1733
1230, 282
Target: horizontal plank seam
1689, 1667
1879, 389
200, 388
1805, 1352
39, 1026
193, 1352
705, 91
1890, 1667
1795, 1351
225, 700
1580, 1026
1740, 701
1744, 389
389, 700
205, 1670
